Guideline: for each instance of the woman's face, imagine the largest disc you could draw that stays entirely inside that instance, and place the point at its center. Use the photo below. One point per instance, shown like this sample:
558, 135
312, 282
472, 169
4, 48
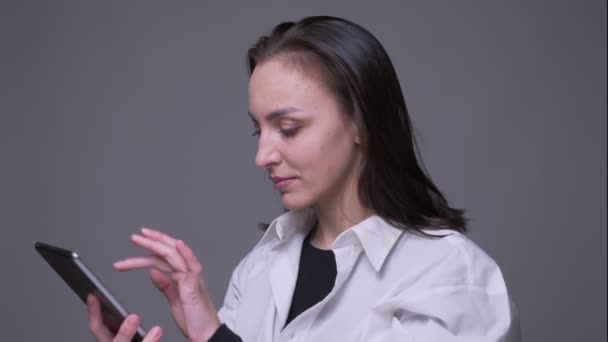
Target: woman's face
306, 144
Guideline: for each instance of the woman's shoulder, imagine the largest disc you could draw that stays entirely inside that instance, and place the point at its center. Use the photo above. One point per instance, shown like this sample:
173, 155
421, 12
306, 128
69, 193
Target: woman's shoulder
253, 260
449, 258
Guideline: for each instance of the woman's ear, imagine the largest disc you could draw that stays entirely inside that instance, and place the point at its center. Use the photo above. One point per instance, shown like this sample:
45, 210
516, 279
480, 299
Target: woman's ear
354, 130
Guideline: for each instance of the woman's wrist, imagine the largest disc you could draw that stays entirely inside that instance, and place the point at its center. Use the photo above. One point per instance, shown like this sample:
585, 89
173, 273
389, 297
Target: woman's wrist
205, 334
212, 329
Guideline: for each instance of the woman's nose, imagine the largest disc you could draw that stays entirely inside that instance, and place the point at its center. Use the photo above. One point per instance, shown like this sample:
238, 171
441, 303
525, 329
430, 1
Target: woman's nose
267, 155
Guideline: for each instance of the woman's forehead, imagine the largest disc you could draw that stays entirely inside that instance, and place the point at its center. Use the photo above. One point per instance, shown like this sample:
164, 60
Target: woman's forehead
276, 84
277, 77
274, 114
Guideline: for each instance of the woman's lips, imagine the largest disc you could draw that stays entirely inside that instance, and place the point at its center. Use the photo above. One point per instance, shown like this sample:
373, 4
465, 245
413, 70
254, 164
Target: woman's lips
282, 183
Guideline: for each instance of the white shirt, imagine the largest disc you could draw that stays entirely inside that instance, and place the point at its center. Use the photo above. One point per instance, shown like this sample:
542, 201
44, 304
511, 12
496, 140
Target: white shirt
391, 285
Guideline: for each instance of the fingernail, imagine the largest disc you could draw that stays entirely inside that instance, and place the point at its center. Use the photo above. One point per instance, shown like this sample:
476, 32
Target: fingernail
156, 332
144, 229
132, 320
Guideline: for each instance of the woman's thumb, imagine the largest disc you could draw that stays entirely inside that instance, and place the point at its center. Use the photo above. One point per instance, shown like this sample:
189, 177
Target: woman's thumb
165, 285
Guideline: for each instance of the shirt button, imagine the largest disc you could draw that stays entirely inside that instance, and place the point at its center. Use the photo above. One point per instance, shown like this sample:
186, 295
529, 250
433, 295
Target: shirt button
291, 335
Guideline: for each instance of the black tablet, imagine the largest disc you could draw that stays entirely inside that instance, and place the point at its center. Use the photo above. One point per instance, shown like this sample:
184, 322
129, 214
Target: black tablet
79, 277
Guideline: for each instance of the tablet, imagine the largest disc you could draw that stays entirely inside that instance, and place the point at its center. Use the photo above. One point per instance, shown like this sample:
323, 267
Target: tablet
79, 277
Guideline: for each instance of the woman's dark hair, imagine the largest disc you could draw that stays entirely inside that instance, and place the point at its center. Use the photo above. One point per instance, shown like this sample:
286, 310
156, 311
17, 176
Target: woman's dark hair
357, 70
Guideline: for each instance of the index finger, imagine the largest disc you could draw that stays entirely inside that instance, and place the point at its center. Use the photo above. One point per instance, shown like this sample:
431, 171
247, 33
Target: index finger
96, 325
153, 335
158, 236
127, 329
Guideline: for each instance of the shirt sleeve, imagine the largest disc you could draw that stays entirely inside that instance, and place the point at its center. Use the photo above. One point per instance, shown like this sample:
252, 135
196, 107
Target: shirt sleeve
224, 334
228, 312
450, 314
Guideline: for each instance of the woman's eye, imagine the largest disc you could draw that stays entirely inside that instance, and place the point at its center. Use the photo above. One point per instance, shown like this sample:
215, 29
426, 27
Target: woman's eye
288, 132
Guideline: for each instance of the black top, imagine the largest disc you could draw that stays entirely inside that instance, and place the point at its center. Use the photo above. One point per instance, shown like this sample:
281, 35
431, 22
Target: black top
316, 277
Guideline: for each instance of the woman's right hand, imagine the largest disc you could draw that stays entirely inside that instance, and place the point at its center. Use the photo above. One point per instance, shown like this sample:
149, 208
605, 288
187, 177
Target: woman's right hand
127, 330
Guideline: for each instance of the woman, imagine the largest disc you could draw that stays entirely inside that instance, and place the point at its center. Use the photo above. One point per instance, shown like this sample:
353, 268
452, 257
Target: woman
369, 250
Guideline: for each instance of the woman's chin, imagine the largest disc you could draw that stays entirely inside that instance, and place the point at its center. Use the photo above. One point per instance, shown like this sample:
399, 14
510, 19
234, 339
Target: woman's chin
292, 202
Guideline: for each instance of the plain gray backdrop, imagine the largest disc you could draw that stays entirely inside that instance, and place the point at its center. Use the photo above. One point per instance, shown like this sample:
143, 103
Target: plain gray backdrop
121, 114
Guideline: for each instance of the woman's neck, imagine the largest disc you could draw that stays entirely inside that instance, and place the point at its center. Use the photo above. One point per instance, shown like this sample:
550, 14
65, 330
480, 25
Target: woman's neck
334, 219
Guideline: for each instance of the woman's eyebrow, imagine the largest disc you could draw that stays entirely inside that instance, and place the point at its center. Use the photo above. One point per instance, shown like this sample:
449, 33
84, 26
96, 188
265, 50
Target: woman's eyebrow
276, 113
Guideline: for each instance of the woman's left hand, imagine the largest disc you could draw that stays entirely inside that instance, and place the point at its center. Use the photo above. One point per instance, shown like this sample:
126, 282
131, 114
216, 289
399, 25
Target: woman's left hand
177, 273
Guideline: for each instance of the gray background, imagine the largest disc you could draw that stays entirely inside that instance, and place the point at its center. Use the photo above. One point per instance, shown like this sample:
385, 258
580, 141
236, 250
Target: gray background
121, 114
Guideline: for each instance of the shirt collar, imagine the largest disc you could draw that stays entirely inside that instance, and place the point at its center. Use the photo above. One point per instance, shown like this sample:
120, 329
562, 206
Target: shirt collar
288, 224
374, 234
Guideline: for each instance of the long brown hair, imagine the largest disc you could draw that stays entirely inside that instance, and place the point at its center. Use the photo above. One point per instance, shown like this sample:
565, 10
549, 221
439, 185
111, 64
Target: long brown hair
357, 69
